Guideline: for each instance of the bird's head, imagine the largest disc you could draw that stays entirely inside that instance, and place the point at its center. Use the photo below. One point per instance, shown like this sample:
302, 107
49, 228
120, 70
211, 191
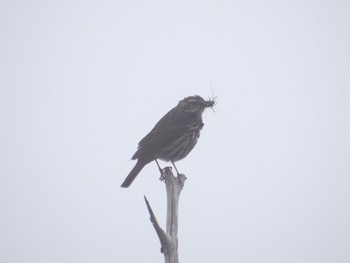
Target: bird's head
195, 104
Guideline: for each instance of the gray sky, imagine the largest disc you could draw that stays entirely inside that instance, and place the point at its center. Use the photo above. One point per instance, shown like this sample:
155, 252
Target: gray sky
82, 82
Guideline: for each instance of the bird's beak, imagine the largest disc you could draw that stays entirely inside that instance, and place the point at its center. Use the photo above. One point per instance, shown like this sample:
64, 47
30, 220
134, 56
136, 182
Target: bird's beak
209, 103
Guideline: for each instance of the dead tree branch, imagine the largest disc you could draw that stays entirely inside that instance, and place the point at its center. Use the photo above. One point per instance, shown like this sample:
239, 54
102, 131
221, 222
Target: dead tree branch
168, 239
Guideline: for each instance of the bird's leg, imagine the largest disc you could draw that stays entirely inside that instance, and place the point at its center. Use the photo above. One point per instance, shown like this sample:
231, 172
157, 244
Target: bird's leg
175, 168
160, 169
161, 178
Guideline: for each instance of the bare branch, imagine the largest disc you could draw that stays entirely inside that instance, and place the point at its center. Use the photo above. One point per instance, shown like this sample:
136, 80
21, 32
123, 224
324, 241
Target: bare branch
168, 239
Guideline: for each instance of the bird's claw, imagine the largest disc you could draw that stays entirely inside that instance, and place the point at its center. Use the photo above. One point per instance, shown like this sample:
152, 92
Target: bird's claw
163, 172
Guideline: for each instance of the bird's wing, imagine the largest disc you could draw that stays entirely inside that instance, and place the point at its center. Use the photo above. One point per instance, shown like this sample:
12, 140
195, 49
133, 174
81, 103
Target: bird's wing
168, 129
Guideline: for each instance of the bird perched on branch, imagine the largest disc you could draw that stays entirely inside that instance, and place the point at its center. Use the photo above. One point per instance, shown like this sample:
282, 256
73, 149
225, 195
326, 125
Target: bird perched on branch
173, 137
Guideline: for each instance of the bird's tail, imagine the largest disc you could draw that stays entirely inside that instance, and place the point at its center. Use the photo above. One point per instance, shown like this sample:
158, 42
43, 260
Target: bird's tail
134, 172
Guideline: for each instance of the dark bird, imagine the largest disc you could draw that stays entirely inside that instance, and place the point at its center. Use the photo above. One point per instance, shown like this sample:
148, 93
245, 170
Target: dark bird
173, 137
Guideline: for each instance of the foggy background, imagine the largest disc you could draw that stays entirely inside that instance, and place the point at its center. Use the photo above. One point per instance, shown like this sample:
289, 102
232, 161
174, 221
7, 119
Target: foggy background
83, 81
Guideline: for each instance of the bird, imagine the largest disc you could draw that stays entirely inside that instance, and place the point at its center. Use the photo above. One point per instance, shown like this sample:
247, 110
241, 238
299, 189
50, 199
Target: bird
173, 137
